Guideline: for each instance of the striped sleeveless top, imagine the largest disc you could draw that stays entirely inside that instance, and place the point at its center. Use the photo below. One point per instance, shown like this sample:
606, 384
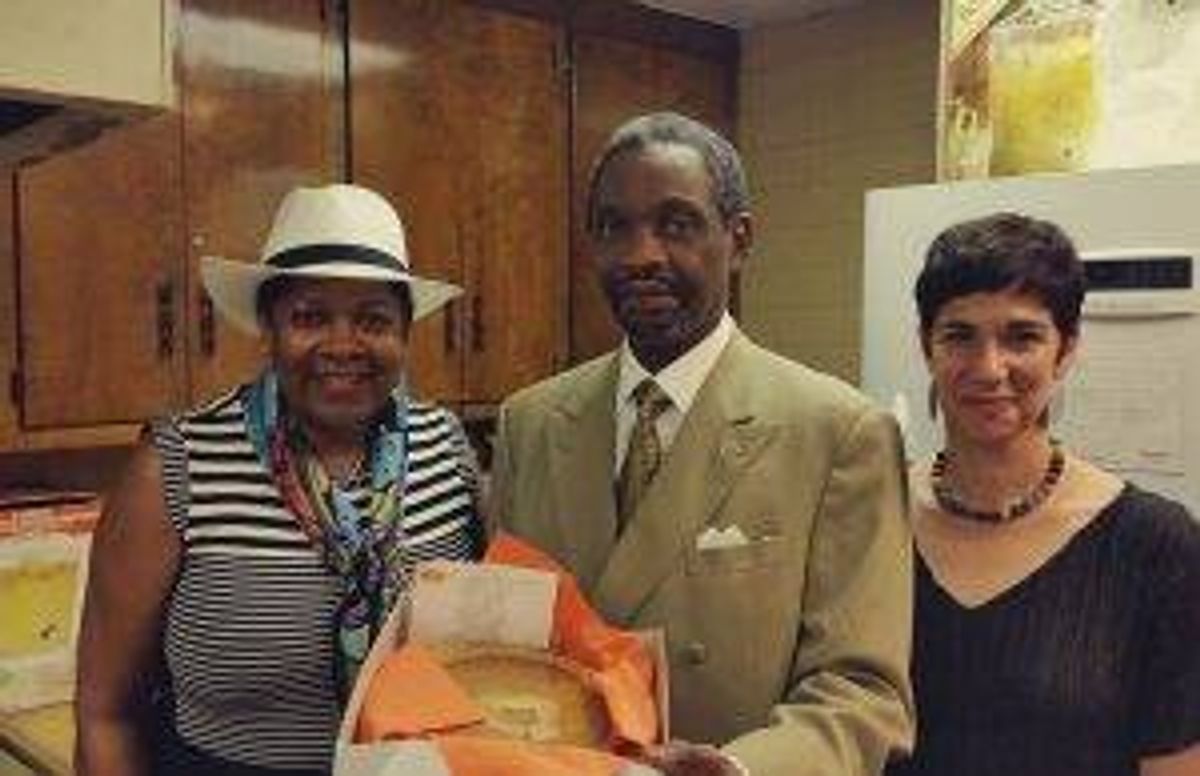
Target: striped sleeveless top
249, 636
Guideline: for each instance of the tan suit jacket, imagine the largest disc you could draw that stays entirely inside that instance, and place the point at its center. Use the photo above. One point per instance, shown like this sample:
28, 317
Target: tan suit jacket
791, 649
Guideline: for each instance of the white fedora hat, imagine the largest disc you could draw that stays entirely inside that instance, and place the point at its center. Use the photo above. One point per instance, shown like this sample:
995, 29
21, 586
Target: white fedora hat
335, 231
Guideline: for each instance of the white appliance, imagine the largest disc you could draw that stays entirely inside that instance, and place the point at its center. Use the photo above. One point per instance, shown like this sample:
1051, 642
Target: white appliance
1132, 402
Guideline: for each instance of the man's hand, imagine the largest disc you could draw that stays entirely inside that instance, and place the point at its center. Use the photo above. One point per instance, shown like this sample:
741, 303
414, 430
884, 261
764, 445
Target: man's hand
681, 758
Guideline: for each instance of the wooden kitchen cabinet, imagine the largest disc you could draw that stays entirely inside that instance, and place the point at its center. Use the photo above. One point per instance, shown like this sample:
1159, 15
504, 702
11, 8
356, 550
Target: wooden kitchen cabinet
97, 245
479, 119
262, 113
113, 324
458, 113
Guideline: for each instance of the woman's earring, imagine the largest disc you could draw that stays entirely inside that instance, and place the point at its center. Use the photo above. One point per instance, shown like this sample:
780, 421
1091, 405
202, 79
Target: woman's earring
933, 402
1057, 407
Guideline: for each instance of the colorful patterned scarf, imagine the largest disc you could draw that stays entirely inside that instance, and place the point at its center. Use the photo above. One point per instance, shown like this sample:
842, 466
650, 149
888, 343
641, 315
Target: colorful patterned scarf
365, 549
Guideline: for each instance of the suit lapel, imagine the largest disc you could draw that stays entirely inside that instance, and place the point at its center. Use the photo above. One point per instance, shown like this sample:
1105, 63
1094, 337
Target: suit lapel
718, 440
581, 471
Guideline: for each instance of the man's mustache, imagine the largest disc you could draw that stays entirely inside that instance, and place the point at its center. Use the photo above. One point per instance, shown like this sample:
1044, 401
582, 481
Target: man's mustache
649, 275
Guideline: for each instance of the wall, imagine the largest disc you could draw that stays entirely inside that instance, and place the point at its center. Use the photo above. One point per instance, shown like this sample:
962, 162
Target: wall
831, 106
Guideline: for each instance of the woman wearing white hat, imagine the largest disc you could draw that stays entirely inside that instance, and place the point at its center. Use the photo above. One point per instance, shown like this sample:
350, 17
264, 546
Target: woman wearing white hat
256, 544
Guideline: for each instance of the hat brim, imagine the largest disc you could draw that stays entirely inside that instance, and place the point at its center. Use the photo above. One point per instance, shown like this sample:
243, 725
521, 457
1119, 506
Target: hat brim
234, 285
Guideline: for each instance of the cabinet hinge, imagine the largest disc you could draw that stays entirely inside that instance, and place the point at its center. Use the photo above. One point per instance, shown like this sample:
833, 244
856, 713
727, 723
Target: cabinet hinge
16, 387
560, 62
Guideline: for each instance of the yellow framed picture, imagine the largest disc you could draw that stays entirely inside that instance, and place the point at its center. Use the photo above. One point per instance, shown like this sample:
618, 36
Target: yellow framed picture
1043, 86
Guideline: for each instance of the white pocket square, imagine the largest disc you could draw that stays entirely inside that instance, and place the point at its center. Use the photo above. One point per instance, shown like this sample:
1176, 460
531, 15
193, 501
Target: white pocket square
721, 538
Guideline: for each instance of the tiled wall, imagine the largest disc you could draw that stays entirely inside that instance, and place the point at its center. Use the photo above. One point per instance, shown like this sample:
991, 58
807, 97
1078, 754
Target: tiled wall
830, 106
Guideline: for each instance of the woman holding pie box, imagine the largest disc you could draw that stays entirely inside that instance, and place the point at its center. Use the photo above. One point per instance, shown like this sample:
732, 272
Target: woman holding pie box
255, 545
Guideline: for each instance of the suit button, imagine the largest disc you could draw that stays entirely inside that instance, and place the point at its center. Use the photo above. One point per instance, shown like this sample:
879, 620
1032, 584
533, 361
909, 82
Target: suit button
695, 653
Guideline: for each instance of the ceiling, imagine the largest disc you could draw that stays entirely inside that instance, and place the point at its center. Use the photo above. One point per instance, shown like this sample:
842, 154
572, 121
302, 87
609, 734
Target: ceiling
748, 13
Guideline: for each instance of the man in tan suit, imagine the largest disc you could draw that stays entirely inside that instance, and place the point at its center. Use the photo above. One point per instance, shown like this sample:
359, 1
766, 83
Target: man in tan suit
754, 508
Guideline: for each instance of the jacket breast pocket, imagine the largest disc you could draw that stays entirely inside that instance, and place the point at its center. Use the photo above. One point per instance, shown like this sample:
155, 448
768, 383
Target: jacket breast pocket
759, 553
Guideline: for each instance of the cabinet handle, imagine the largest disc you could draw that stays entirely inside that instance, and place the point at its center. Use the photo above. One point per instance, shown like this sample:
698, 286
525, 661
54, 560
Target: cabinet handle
208, 326
450, 327
164, 294
452, 321
477, 330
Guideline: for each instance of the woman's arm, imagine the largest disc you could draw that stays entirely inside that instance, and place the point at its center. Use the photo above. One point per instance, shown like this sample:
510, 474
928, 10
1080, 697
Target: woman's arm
134, 558
1185, 763
1168, 716
472, 474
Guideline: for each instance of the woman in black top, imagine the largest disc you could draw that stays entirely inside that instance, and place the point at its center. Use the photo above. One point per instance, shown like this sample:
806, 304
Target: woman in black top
1058, 607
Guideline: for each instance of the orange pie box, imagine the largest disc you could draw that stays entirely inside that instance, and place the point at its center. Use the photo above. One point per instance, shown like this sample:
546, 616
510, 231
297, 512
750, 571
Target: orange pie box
503, 667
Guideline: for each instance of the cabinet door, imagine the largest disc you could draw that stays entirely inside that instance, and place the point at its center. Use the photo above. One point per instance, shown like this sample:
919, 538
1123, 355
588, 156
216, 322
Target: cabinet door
458, 115
98, 253
617, 79
9, 409
262, 114
517, 265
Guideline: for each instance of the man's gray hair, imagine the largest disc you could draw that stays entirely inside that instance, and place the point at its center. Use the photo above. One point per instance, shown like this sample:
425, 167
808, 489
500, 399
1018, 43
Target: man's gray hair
730, 193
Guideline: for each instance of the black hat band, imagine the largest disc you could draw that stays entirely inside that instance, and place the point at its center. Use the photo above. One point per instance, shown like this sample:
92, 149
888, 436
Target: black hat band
325, 253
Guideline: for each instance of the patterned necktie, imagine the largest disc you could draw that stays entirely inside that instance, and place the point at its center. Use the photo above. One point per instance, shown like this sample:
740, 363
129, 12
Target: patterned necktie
644, 454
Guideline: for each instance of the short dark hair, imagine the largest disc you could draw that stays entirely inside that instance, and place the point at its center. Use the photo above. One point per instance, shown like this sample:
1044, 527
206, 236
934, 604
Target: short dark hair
274, 287
1003, 251
730, 192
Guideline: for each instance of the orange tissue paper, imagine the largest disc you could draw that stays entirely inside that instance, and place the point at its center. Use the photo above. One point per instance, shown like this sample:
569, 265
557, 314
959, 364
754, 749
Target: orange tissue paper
598, 696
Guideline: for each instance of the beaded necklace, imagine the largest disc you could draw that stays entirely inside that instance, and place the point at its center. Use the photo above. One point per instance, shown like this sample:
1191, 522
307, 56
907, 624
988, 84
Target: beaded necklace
950, 501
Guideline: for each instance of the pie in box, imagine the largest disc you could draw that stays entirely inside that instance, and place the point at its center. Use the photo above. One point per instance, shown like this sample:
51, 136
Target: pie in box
589, 697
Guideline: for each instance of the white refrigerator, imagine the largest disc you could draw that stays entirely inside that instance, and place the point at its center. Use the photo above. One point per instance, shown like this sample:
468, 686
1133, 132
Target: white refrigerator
1132, 402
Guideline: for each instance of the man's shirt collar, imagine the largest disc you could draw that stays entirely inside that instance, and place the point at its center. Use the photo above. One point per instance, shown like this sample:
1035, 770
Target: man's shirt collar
681, 379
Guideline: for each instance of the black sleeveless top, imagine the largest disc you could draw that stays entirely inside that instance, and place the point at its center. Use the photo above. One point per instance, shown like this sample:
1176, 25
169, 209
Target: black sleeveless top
1081, 669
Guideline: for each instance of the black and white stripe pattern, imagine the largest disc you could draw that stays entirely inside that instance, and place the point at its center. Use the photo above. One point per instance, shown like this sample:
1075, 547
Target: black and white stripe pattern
249, 634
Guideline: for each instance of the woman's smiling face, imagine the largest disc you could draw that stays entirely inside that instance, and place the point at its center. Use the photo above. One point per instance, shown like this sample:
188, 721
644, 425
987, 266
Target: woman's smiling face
995, 359
338, 347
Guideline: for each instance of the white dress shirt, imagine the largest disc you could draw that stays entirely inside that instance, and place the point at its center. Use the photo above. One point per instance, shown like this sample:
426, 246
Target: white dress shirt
680, 381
